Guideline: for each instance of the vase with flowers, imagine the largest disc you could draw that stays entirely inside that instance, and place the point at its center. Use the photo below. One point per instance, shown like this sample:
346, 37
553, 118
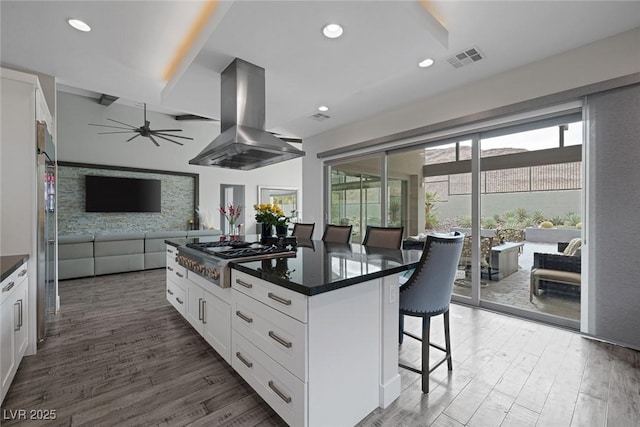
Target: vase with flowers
268, 215
232, 215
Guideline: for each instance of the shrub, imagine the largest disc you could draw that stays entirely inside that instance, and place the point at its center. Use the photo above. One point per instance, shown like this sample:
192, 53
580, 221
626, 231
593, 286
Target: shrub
537, 216
522, 214
529, 222
556, 220
465, 221
546, 224
488, 223
573, 218
510, 214
512, 223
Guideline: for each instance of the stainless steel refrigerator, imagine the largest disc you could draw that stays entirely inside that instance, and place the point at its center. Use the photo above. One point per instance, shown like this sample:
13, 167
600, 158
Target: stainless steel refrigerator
47, 233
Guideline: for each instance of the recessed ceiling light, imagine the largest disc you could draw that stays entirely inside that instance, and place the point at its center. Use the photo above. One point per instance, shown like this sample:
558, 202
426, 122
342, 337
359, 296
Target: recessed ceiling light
323, 108
332, 31
426, 63
79, 25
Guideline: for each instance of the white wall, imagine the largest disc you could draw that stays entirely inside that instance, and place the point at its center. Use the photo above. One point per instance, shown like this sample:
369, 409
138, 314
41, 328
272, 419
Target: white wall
599, 61
79, 142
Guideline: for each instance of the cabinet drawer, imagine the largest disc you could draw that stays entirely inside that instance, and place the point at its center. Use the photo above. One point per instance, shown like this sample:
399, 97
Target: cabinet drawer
11, 283
172, 252
282, 338
176, 296
285, 393
177, 273
282, 299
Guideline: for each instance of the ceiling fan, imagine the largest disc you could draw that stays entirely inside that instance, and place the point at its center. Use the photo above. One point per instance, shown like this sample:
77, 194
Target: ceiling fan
144, 130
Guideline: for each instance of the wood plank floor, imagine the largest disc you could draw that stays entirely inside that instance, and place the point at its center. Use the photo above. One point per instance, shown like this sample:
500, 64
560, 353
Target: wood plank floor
119, 355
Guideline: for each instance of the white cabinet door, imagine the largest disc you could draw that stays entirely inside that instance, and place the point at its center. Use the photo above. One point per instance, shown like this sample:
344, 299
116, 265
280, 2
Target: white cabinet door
193, 311
217, 325
20, 306
8, 313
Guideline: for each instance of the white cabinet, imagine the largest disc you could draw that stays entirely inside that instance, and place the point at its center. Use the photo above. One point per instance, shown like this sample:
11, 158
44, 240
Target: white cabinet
176, 282
314, 359
204, 304
211, 317
14, 337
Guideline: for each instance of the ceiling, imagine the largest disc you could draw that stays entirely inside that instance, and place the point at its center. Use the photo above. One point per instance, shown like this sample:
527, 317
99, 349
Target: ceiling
370, 69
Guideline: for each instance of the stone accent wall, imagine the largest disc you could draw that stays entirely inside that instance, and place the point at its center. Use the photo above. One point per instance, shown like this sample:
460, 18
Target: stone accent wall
176, 203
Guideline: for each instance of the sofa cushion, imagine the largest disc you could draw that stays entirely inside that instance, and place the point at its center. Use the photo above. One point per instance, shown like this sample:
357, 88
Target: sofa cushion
75, 238
201, 233
119, 263
164, 234
106, 237
116, 244
72, 268
573, 247
75, 250
155, 241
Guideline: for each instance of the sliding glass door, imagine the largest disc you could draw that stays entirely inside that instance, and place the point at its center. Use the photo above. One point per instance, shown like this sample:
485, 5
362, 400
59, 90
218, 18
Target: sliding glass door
515, 192
356, 194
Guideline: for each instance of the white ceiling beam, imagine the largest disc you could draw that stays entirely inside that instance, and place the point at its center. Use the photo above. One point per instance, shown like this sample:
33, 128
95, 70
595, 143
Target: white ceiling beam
221, 9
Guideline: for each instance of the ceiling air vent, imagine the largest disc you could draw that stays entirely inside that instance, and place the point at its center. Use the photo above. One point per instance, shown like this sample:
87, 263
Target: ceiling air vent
465, 57
320, 117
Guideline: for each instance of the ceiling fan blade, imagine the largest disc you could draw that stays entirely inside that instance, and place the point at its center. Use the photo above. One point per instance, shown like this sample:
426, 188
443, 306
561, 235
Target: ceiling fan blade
155, 132
167, 130
107, 126
154, 140
122, 123
134, 136
170, 140
120, 131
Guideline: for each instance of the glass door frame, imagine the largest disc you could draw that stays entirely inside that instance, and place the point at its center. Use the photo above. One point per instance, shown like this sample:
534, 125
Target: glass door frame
475, 297
327, 168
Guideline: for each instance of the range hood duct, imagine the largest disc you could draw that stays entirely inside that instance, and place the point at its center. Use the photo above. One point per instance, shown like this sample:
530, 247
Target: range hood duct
243, 143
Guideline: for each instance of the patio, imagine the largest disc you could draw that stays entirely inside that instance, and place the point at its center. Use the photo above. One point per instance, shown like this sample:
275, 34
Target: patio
514, 289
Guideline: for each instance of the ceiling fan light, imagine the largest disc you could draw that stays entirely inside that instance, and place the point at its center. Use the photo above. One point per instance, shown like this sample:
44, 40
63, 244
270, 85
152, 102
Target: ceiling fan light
323, 108
332, 31
79, 25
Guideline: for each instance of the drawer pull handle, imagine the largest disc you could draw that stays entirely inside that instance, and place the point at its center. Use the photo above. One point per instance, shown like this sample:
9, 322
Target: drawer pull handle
8, 287
179, 300
169, 268
245, 284
199, 308
21, 314
170, 291
243, 317
277, 391
243, 360
170, 251
280, 340
179, 274
279, 299
204, 311
22, 273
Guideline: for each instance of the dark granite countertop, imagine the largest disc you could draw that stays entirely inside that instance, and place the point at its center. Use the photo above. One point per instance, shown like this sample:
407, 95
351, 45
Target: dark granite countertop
319, 267
322, 267
10, 263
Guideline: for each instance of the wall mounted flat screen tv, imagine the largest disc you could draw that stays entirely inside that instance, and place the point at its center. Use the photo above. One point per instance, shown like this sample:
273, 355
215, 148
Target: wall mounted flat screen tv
115, 194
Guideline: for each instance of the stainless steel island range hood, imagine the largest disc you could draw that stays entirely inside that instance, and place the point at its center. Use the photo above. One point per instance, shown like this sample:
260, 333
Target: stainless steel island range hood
243, 143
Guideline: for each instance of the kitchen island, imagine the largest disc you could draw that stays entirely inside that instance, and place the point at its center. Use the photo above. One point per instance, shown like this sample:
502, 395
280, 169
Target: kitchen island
314, 332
